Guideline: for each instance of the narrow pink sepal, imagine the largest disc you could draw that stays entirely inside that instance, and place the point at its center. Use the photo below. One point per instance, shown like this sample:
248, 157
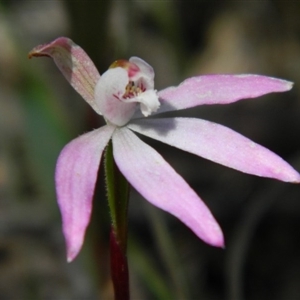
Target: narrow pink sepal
75, 179
158, 183
218, 89
219, 144
75, 65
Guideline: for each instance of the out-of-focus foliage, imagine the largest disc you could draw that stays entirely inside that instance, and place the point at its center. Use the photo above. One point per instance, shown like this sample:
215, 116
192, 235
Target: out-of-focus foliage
39, 113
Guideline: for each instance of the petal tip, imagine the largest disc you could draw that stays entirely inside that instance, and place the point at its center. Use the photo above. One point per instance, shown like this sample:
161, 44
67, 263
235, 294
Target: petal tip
284, 85
296, 180
291, 176
73, 251
289, 85
212, 234
45, 49
71, 257
41, 50
217, 241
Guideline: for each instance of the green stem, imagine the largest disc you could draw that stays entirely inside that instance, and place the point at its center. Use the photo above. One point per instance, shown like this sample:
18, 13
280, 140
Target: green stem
118, 195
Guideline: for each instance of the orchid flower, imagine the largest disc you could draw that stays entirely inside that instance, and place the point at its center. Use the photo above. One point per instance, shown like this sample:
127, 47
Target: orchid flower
125, 97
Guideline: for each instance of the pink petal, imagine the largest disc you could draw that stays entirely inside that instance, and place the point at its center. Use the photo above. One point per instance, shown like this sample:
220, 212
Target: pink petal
75, 178
219, 144
218, 89
75, 65
157, 181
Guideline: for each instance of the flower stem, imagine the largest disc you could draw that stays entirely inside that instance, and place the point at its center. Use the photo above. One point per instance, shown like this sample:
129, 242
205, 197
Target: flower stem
118, 195
119, 269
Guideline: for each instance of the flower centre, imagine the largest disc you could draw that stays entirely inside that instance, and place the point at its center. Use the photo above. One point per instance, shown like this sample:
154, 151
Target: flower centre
123, 89
132, 90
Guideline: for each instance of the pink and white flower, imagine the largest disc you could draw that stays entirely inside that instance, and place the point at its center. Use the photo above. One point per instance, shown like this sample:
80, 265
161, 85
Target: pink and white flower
125, 96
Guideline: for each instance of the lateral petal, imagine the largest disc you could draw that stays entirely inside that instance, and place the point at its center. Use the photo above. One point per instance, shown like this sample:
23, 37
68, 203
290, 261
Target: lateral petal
158, 183
218, 89
75, 178
75, 65
217, 143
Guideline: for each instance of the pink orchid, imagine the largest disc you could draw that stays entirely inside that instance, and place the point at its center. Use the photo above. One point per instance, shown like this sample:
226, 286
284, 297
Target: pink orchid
125, 96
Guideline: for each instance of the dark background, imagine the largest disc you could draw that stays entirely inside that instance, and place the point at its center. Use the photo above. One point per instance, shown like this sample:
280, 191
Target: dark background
39, 113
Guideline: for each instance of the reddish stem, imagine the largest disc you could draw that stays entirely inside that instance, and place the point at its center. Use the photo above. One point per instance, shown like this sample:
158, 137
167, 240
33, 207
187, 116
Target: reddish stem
119, 268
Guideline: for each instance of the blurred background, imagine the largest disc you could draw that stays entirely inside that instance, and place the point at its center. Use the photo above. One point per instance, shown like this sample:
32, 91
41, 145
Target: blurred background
40, 113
